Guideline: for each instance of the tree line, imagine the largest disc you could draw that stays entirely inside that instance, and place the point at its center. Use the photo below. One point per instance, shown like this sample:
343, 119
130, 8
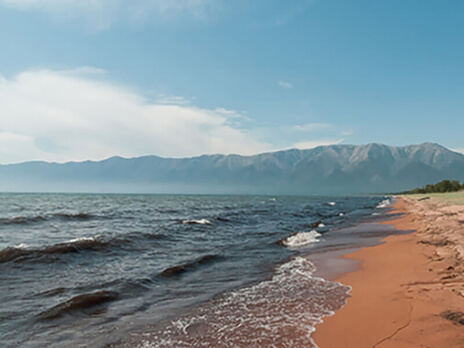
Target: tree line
439, 187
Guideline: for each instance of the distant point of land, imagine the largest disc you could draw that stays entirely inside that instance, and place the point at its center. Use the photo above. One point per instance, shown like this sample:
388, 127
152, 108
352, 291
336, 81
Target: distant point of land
440, 187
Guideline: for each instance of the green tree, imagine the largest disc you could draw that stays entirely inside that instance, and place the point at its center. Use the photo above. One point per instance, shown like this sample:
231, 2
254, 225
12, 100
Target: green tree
441, 187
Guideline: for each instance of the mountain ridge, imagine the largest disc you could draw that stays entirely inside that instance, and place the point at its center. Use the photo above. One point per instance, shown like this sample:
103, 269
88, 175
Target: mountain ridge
331, 169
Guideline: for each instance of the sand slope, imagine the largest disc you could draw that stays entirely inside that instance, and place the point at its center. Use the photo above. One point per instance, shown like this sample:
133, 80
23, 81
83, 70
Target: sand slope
408, 292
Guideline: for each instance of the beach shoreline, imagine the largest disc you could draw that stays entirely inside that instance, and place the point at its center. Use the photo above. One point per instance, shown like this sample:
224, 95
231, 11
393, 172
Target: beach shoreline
407, 291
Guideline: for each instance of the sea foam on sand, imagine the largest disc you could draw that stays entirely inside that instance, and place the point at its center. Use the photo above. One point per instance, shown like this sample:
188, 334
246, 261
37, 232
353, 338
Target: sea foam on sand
279, 312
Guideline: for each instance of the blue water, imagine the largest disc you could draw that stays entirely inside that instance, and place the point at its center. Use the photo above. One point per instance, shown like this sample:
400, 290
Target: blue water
93, 270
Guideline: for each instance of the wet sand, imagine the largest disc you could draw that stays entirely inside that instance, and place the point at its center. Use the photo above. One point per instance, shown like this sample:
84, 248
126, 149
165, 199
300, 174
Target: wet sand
409, 291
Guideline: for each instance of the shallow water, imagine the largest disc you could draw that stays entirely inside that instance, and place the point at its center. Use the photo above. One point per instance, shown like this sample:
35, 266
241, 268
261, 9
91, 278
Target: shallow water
154, 270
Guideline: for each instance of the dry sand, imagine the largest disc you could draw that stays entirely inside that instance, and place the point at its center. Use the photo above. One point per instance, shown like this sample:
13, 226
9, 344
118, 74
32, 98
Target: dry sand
409, 291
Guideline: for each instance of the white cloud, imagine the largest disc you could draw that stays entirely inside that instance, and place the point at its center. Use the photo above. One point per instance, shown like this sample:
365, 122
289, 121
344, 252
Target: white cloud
346, 133
310, 127
285, 85
101, 14
61, 116
172, 99
303, 145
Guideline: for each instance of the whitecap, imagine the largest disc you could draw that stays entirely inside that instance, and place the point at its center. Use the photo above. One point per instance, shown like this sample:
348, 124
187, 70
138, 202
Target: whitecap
199, 222
80, 239
332, 203
21, 246
385, 203
301, 238
321, 225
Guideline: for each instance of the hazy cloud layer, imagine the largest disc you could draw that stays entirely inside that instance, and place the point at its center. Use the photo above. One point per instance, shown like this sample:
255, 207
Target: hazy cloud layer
79, 115
312, 144
53, 115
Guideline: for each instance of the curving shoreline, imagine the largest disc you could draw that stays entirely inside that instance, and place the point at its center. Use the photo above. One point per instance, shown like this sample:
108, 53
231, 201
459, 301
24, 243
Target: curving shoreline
409, 291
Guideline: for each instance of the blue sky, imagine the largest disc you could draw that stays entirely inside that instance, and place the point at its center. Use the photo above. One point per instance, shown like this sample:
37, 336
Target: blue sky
90, 79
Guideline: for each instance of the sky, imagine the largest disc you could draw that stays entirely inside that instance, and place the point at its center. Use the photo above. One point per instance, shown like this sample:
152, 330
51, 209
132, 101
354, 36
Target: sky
91, 79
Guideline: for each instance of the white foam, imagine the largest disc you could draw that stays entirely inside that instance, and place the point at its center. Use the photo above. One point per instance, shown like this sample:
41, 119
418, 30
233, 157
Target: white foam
385, 203
80, 239
321, 225
332, 203
272, 199
280, 312
341, 214
302, 238
21, 246
199, 222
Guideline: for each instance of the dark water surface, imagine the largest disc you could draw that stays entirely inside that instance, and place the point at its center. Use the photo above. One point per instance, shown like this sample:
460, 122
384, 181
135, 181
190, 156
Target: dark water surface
170, 271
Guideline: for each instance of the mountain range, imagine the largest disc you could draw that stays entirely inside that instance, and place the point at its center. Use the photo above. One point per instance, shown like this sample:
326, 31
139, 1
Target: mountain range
333, 170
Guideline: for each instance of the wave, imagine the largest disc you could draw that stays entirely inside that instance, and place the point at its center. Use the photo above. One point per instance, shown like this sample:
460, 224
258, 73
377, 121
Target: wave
199, 222
299, 239
84, 302
21, 220
222, 219
52, 292
22, 252
316, 224
70, 246
385, 203
28, 220
80, 240
78, 216
278, 312
180, 269
332, 203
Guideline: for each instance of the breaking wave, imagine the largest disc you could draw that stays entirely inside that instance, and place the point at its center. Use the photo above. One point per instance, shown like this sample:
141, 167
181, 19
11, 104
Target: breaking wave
71, 246
199, 222
384, 204
299, 239
280, 312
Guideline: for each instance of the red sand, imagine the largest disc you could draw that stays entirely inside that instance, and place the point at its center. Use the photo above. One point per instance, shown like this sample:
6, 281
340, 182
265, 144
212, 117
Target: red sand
407, 292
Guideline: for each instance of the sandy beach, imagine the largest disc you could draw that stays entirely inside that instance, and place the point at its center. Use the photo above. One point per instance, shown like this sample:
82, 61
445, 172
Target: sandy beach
408, 291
